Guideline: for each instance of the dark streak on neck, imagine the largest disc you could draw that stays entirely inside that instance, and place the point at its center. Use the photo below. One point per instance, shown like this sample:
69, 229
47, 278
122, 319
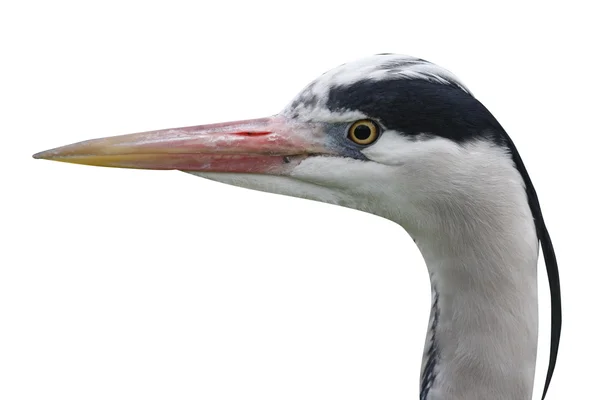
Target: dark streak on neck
429, 372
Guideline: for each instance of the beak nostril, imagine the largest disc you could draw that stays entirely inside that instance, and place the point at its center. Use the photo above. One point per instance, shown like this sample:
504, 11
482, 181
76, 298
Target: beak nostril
253, 133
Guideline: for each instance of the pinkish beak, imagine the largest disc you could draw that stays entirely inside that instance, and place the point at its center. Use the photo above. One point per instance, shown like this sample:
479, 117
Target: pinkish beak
272, 145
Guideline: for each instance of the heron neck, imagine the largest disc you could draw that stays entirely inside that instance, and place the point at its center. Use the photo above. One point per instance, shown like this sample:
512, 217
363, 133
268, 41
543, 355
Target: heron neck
482, 337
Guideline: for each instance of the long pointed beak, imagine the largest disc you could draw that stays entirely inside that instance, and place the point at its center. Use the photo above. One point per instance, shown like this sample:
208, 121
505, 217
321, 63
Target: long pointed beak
266, 145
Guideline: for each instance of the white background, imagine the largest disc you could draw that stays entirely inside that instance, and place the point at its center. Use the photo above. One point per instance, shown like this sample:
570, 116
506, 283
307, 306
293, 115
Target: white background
124, 284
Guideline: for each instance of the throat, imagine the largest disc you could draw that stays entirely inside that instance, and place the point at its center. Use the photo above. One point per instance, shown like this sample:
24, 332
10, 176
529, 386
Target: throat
482, 335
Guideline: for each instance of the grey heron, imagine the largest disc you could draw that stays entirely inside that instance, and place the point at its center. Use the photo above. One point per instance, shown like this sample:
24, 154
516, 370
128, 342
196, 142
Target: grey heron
404, 139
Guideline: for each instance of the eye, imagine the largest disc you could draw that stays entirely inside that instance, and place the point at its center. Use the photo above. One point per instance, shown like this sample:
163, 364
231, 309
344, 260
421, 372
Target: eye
363, 132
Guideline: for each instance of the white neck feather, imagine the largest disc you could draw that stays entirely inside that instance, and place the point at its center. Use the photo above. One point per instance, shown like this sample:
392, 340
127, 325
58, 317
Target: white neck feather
481, 252
483, 327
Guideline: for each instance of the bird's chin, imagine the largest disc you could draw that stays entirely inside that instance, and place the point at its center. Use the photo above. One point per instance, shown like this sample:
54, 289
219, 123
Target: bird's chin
280, 184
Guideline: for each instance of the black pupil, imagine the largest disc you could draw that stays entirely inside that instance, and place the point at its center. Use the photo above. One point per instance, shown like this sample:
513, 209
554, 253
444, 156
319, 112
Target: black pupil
362, 132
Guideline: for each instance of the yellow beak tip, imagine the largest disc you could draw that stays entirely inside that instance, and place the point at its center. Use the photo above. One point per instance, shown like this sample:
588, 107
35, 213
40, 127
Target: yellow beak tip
41, 155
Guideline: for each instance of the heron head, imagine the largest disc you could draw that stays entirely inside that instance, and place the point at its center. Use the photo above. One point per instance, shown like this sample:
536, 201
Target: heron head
391, 135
